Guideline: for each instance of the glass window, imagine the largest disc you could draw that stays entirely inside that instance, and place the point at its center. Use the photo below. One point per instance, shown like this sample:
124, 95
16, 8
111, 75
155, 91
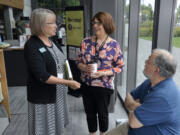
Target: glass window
58, 6
72, 2
176, 42
145, 36
122, 88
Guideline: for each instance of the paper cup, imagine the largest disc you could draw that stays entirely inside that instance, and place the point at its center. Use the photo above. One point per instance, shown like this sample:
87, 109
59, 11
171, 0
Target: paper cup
94, 67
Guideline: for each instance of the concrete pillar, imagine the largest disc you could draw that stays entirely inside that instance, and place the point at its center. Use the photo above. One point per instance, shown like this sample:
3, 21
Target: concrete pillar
87, 17
132, 44
163, 24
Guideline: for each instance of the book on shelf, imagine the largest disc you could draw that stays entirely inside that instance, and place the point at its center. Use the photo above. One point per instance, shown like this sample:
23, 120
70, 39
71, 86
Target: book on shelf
68, 71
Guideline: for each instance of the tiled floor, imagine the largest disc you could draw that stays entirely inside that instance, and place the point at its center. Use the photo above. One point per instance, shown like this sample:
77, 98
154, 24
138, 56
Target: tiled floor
77, 126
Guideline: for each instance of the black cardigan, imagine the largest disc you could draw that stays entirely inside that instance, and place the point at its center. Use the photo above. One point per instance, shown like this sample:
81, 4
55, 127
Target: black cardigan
40, 65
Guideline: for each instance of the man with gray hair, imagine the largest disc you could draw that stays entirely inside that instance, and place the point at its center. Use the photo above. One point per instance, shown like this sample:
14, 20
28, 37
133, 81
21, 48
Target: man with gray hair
154, 106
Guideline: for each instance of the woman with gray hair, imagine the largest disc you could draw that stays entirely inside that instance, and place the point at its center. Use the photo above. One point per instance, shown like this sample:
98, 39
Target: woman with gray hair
46, 86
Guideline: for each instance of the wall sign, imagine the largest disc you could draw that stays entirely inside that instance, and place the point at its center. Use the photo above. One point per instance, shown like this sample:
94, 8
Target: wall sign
74, 25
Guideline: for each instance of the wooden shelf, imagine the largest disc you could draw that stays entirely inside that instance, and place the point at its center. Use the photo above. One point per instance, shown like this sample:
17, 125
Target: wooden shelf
3, 81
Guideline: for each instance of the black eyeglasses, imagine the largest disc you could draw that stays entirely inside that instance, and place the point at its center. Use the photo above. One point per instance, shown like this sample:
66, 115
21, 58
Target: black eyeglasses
98, 23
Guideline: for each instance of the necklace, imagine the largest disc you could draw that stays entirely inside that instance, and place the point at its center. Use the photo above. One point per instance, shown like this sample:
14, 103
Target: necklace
100, 47
55, 55
104, 41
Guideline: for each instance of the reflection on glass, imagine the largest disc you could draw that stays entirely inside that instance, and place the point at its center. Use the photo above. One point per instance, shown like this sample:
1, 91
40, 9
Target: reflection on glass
176, 42
145, 36
58, 6
72, 2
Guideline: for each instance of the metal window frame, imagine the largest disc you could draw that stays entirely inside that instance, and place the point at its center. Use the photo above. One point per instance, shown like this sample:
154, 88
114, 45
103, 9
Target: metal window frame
163, 24
132, 44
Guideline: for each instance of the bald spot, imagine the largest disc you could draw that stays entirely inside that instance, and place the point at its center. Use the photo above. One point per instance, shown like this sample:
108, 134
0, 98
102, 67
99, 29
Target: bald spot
164, 53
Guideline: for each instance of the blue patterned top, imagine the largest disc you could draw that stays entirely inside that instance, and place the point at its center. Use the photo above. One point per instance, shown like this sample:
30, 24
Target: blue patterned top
110, 58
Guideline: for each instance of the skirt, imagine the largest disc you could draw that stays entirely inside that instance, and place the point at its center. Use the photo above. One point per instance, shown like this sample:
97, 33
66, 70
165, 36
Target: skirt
49, 119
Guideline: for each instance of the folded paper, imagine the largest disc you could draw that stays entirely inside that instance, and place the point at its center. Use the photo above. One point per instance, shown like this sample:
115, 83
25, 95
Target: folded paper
68, 70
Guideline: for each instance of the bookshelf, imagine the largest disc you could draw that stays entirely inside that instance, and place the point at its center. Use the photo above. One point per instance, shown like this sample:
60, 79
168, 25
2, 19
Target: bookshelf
4, 86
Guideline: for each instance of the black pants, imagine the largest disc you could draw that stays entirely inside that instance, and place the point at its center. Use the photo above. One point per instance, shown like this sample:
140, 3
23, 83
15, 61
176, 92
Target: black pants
96, 101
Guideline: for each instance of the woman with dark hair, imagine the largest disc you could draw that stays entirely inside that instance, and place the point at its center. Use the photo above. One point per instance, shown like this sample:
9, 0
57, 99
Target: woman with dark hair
99, 60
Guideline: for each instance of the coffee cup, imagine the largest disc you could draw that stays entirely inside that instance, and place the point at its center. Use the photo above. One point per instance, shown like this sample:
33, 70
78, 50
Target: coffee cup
94, 67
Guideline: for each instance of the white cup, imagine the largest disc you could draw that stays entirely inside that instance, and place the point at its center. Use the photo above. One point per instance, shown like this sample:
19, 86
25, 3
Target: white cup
94, 67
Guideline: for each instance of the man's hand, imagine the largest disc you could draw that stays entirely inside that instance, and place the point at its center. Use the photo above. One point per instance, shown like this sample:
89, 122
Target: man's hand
130, 103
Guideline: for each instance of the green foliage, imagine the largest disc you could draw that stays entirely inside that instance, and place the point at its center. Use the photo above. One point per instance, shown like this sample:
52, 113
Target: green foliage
177, 14
146, 13
72, 3
177, 32
176, 42
145, 31
147, 24
127, 13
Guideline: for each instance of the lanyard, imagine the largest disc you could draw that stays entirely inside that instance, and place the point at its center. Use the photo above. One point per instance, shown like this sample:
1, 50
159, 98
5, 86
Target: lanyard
55, 56
100, 47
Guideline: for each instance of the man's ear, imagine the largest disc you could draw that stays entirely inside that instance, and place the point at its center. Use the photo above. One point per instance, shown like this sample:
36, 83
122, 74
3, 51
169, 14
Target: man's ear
157, 69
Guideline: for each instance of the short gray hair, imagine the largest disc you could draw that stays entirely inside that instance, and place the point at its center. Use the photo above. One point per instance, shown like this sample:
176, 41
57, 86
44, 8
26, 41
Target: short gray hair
165, 62
38, 20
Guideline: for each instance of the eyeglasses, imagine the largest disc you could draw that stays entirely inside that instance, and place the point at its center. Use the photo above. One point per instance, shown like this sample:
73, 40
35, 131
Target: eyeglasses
98, 23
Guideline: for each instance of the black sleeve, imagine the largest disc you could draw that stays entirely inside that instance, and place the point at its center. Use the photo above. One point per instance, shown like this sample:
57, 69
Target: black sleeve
35, 62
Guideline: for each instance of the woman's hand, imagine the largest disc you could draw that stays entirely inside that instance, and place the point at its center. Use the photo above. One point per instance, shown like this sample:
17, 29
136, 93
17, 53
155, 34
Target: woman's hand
86, 68
74, 84
90, 68
97, 74
101, 73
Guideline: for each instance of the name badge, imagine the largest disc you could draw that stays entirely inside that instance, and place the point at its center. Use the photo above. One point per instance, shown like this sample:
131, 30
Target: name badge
42, 50
60, 75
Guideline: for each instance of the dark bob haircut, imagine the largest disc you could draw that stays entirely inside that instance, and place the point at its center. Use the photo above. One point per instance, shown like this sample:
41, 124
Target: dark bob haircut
106, 20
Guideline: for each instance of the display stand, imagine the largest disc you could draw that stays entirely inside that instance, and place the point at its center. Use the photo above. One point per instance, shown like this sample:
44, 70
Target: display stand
16, 72
3, 81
